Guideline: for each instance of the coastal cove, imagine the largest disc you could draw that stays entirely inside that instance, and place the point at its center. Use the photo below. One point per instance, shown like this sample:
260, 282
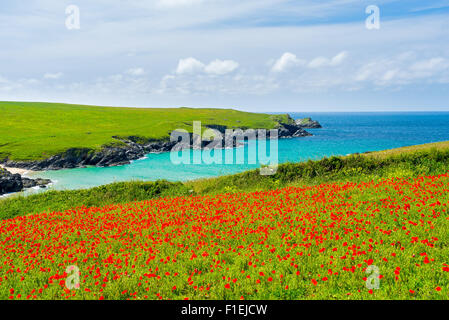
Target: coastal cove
342, 133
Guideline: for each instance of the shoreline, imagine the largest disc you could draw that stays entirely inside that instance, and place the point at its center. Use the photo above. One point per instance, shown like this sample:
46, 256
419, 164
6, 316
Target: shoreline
131, 149
22, 172
15, 180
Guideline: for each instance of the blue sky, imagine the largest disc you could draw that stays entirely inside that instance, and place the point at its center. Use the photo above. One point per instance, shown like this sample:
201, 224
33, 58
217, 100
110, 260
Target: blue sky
256, 55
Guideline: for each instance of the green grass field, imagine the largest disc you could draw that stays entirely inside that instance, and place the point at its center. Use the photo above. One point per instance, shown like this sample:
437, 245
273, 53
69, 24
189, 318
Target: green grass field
33, 131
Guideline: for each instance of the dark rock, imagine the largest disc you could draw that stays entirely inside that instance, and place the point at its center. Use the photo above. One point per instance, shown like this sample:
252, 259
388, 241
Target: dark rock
15, 182
292, 131
308, 123
10, 182
30, 183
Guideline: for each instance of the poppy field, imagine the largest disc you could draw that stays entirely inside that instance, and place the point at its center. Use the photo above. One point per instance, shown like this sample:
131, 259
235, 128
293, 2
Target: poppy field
314, 242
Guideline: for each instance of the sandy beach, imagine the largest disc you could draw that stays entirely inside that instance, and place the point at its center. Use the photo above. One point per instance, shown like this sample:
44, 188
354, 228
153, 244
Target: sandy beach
17, 170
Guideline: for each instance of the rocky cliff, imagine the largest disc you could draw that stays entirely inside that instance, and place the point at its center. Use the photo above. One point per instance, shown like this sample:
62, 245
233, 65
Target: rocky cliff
15, 182
130, 149
308, 123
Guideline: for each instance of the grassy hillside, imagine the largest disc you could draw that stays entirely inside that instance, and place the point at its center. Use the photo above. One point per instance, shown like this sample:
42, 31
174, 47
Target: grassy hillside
429, 159
32, 131
405, 150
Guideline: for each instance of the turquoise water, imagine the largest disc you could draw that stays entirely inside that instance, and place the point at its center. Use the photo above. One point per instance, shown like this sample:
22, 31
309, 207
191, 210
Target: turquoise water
342, 133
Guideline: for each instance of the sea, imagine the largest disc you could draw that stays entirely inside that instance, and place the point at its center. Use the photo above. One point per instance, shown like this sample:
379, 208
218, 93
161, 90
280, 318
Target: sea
342, 134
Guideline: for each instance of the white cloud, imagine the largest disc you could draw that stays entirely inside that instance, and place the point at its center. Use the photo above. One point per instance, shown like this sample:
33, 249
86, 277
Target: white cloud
189, 65
53, 75
319, 62
390, 74
323, 62
403, 69
339, 58
366, 71
217, 67
136, 71
221, 67
287, 61
290, 60
202, 85
429, 65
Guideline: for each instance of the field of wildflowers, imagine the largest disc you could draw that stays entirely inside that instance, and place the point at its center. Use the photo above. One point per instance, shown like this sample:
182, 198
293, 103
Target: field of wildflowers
314, 242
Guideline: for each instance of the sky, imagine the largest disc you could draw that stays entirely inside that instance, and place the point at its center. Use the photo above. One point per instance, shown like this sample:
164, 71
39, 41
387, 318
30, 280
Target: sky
253, 55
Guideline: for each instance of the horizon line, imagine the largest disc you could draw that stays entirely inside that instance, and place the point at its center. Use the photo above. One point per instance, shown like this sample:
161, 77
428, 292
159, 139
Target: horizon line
445, 109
